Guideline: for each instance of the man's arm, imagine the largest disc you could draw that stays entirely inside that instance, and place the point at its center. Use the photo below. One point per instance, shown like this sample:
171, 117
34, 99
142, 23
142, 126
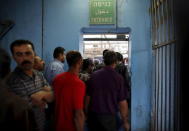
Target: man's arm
47, 88
79, 119
86, 104
49, 96
124, 114
48, 92
46, 96
78, 95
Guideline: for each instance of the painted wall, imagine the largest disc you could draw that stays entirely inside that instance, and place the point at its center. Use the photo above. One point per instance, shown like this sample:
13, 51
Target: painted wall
134, 14
27, 18
62, 22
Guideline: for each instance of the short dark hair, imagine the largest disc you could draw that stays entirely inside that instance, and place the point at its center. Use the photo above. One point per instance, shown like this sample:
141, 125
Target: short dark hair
19, 43
5, 62
119, 56
86, 63
104, 51
58, 51
72, 57
110, 58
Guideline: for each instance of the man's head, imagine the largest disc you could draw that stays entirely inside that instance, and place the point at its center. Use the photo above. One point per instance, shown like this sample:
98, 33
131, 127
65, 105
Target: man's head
96, 62
88, 65
59, 54
119, 56
110, 58
74, 59
5, 62
39, 64
23, 53
104, 51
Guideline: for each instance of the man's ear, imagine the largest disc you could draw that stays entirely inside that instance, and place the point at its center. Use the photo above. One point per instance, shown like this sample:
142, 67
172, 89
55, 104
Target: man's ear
80, 63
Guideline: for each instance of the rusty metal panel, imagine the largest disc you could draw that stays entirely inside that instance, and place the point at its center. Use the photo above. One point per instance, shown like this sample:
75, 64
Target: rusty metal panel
165, 116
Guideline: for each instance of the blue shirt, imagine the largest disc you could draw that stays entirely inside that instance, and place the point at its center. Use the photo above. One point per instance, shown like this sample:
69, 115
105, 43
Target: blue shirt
54, 68
106, 89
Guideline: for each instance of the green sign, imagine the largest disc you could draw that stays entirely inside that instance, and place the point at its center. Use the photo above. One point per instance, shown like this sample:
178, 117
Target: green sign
102, 11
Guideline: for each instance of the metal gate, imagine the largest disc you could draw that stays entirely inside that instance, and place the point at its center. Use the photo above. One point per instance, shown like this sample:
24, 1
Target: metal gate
165, 89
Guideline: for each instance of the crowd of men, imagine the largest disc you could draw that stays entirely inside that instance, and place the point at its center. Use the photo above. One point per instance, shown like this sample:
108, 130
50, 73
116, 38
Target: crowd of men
44, 97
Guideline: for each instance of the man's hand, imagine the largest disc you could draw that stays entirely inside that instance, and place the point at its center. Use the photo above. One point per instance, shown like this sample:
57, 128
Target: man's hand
123, 106
38, 99
126, 125
79, 119
46, 88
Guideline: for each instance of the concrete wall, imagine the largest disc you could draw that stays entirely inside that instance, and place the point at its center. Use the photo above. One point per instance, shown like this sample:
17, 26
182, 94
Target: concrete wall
60, 26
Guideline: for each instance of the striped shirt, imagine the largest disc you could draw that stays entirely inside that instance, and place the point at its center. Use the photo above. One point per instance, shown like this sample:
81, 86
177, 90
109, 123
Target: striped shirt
24, 86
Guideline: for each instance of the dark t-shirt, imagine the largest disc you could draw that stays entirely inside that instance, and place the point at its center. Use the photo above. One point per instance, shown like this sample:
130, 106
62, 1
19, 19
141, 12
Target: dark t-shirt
106, 89
15, 113
123, 71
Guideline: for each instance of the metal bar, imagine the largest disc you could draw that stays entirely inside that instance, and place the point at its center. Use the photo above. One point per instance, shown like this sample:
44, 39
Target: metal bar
157, 89
155, 23
158, 22
163, 89
163, 44
153, 92
170, 84
160, 91
163, 21
168, 20
164, 64
104, 39
172, 117
167, 32
167, 63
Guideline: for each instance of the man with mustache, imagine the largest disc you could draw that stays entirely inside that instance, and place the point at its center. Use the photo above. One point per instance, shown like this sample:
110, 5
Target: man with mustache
29, 83
15, 112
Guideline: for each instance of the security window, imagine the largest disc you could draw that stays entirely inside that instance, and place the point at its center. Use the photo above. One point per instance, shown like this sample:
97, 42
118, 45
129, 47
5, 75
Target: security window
94, 44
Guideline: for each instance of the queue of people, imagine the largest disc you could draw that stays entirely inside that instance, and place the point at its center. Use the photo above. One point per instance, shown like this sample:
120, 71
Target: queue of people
44, 97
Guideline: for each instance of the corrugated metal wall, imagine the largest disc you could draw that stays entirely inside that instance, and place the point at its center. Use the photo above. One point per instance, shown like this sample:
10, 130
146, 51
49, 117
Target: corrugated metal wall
165, 89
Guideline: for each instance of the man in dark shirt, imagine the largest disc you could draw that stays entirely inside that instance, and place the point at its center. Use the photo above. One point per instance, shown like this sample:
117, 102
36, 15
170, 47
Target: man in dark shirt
28, 83
15, 113
106, 96
122, 69
101, 65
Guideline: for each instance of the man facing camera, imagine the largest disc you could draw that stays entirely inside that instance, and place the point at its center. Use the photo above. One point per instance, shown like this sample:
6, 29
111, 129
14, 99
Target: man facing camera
15, 113
28, 83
